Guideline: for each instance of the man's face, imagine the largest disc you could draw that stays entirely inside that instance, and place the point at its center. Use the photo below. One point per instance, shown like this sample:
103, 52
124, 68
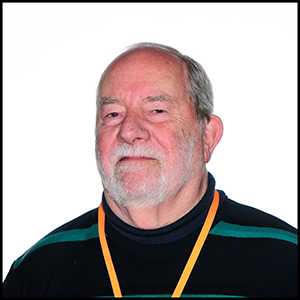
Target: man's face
149, 143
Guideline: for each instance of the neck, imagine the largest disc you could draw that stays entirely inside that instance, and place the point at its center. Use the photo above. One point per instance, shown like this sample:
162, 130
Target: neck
165, 213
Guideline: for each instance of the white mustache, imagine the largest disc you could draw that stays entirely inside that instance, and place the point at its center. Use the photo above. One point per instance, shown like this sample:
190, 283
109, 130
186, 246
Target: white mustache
125, 150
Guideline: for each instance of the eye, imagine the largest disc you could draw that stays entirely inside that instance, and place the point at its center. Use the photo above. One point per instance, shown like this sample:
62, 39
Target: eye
158, 111
112, 115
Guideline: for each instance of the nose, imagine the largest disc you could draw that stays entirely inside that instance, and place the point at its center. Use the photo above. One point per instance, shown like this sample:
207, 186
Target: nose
133, 130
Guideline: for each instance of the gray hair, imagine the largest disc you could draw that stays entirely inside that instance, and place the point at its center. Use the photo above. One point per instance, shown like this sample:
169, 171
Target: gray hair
198, 86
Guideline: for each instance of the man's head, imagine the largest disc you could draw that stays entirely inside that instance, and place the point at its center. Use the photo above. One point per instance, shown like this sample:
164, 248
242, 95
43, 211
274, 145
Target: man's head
154, 110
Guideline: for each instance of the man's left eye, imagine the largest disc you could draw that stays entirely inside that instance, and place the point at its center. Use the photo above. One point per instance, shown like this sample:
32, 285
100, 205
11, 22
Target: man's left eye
158, 111
113, 115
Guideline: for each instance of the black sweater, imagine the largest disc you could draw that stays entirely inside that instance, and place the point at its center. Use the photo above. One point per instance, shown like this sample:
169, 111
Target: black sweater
247, 253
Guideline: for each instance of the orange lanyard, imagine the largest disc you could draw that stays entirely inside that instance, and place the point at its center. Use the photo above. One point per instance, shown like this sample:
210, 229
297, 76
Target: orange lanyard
189, 265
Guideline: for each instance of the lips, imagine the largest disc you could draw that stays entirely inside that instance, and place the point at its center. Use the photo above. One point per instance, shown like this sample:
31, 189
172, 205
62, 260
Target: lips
135, 158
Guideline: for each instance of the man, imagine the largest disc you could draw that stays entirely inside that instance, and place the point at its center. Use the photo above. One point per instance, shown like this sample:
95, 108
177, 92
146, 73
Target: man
163, 228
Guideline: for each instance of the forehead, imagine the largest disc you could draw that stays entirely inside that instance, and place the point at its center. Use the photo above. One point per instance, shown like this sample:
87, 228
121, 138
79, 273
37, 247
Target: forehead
145, 71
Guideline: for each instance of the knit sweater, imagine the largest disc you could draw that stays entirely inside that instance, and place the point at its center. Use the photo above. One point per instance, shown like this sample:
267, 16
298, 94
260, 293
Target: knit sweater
248, 253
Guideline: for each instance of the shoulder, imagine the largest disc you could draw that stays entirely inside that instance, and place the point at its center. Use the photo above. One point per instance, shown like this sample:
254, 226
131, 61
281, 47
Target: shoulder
260, 249
245, 221
238, 213
84, 221
60, 254
82, 228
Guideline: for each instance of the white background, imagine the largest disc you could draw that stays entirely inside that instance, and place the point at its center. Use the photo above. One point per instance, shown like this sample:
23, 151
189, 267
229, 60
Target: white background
53, 56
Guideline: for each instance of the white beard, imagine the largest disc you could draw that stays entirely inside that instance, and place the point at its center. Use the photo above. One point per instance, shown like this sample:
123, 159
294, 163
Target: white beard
151, 189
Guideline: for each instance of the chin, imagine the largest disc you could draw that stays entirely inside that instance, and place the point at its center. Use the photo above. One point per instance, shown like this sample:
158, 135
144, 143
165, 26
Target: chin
135, 195
138, 203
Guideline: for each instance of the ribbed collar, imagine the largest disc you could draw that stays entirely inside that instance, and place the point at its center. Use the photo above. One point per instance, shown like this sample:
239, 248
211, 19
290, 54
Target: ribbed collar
170, 233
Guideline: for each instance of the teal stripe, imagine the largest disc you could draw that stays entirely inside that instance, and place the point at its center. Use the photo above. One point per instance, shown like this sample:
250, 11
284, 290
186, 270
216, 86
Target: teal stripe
182, 296
239, 231
73, 235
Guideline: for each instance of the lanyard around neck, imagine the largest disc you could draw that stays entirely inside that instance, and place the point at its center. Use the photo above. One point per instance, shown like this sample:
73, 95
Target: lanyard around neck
189, 265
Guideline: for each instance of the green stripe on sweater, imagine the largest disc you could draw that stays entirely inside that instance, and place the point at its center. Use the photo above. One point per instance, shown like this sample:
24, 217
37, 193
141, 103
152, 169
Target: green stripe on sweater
182, 296
221, 229
240, 231
73, 235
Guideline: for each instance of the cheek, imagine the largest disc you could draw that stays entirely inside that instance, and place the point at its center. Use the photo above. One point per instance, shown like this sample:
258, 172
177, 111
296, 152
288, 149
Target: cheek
183, 131
105, 145
174, 138
185, 141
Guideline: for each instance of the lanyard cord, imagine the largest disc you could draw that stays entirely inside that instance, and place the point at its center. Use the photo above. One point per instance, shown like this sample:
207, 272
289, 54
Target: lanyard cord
189, 265
107, 257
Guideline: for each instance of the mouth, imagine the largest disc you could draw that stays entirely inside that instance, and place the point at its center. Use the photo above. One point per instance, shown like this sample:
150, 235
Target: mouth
135, 158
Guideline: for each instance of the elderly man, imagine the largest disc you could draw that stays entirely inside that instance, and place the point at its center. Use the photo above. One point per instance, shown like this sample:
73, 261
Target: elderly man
162, 229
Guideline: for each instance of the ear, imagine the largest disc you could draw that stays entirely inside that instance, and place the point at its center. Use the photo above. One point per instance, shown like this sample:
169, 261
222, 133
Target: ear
213, 133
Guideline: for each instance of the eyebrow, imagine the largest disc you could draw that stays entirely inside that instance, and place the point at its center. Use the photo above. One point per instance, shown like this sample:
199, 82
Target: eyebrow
104, 100
161, 98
